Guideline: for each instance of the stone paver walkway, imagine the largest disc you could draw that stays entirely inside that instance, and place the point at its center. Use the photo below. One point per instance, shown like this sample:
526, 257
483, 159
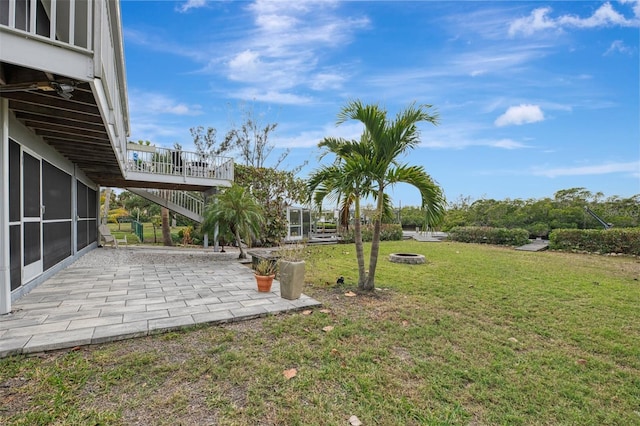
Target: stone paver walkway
535, 245
84, 305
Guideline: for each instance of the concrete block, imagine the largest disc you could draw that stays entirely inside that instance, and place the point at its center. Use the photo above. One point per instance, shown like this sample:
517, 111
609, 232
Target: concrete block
59, 340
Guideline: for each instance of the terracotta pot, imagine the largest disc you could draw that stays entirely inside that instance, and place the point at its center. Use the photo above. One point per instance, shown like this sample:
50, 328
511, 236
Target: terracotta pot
264, 282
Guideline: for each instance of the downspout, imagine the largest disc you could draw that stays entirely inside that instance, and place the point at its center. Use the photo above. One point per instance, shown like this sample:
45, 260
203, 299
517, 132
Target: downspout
5, 260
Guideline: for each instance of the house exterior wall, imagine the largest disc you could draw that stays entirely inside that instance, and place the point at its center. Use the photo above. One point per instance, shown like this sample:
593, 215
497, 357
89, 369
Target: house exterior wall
49, 214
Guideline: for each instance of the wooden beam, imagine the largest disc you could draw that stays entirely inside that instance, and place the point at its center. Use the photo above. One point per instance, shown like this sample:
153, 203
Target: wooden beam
79, 131
52, 112
52, 100
66, 135
37, 119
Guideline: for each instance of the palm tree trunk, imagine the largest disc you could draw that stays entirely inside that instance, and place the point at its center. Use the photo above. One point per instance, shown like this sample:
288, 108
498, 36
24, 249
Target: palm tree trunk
107, 199
375, 241
357, 231
166, 231
242, 255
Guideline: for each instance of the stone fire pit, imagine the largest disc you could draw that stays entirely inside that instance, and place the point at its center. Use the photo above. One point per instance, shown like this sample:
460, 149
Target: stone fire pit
410, 258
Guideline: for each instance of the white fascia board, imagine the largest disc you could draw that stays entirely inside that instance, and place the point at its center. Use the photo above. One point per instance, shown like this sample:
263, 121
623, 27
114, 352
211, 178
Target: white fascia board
176, 179
118, 143
73, 63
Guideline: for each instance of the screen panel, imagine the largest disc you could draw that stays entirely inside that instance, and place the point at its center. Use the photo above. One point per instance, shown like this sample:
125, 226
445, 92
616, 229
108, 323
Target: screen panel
31, 185
31, 242
15, 199
56, 238
83, 232
15, 251
82, 200
92, 199
56, 192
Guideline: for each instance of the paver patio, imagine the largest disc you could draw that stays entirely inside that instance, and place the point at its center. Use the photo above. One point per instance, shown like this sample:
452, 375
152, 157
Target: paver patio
84, 305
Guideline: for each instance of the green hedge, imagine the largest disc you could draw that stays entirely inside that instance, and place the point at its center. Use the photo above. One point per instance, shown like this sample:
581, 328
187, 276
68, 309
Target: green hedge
488, 235
624, 240
387, 233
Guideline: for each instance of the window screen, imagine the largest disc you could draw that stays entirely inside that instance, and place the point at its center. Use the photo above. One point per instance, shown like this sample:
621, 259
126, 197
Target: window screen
15, 249
31, 242
83, 232
31, 182
56, 192
14, 182
82, 200
92, 199
56, 238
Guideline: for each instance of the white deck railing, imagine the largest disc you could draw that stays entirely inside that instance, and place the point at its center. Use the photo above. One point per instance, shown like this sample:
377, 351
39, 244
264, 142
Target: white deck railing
183, 199
65, 23
88, 27
163, 161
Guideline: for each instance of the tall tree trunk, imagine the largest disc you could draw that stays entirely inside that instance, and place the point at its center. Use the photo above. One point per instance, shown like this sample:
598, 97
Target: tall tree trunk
107, 199
375, 241
357, 232
166, 230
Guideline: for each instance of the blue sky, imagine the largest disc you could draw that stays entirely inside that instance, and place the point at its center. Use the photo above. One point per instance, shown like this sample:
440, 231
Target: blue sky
533, 97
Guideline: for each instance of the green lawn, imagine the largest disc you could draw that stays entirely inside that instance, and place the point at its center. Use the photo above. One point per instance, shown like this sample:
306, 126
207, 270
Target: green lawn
119, 230
479, 335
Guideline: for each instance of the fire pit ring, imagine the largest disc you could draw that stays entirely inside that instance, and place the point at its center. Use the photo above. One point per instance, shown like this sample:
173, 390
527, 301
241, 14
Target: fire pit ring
409, 258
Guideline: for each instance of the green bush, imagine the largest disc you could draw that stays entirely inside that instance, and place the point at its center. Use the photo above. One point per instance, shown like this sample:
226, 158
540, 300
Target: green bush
326, 225
388, 232
624, 240
488, 235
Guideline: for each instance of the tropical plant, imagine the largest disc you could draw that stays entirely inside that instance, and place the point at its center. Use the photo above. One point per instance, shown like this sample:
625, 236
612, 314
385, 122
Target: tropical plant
235, 211
346, 182
372, 165
265, 267
274, 190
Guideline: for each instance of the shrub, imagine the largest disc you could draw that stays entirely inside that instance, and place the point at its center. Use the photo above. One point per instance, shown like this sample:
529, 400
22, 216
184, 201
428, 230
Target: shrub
488, 235
388, 232
624, 240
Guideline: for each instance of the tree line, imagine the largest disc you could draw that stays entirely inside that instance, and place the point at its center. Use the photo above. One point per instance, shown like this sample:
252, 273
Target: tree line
565, 210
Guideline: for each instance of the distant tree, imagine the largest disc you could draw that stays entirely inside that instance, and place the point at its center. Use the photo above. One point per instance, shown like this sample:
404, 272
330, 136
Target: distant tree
205, 141
274, 190
251, 140
136, 204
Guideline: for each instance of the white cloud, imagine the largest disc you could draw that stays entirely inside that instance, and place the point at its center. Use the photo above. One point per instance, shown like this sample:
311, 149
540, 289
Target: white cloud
508, 144
618, 46
283, 51
191, 4
636, 6
156, 103
521, 114
270, 96
311, 138
537, 21
540, 20
599, 169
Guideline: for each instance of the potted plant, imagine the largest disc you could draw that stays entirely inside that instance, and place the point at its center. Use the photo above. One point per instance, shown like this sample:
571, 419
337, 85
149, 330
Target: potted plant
265, 272
291, 271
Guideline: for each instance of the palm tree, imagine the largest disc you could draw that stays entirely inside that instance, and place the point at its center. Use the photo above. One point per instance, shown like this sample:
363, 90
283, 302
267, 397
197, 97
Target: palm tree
235, 211
346, 182
378, 150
